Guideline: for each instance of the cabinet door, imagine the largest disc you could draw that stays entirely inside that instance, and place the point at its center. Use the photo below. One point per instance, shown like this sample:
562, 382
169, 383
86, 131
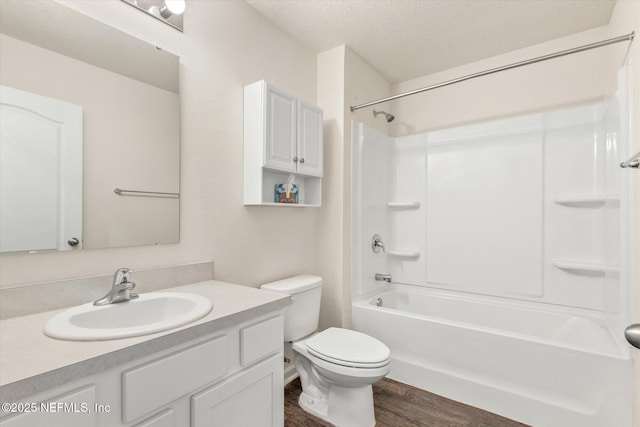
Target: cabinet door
280, 141
309, 139
254, 397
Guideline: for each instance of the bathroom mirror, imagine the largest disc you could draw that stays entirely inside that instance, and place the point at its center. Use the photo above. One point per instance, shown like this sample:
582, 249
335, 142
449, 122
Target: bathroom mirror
128, 92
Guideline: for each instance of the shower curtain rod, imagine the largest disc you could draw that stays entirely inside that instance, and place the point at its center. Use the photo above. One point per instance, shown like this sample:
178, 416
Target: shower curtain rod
595, 45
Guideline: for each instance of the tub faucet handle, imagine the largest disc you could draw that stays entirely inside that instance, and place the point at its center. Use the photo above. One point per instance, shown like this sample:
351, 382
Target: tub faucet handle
377, 244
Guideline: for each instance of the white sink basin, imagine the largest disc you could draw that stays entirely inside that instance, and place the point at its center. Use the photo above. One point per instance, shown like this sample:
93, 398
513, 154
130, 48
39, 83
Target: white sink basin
147, 314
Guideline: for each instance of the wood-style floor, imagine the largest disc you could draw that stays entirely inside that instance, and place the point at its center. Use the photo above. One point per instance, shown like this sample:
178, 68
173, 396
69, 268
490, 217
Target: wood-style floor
401, 405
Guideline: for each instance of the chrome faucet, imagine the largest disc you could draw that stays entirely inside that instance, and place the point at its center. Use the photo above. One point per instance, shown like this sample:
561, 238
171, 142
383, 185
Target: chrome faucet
121, 290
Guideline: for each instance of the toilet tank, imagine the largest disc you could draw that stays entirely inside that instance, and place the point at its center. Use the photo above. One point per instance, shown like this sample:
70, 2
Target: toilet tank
301, 317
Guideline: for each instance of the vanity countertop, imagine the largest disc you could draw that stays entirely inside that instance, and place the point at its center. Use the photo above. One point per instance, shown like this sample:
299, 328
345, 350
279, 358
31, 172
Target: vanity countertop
31, 362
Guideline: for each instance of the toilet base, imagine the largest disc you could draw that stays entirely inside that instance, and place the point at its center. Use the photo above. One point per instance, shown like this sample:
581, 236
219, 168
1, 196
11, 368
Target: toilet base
344, 407
339, 394
314, 406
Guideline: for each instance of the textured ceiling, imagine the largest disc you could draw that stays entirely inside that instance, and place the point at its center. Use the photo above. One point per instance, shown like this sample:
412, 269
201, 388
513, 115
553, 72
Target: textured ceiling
405, 39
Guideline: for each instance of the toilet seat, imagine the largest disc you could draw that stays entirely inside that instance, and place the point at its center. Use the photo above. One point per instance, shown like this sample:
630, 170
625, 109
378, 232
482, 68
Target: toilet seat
349, 373
348, 348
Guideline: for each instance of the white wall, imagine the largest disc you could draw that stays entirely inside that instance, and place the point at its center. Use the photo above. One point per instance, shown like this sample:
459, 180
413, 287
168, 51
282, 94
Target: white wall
330, 221
225, 46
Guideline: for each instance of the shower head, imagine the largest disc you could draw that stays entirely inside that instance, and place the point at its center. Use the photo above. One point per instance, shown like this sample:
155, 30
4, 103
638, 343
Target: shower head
389, 117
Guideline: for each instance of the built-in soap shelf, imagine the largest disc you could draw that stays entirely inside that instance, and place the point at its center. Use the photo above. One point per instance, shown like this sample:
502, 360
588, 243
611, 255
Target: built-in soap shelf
585, 266
585, 200
403, 253
404, 204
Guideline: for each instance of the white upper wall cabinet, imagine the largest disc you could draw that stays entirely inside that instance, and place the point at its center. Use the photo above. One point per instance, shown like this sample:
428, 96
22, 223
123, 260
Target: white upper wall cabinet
282, 137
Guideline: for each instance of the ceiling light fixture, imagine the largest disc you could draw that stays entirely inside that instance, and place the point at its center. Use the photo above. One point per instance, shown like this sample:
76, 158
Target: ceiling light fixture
170, 7
168, 11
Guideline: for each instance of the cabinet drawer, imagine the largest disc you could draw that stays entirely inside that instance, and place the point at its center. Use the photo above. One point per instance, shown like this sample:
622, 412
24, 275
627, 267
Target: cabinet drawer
260, 340
148, 387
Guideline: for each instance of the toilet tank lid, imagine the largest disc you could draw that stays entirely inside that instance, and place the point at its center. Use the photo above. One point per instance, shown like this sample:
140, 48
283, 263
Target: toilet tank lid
294, 285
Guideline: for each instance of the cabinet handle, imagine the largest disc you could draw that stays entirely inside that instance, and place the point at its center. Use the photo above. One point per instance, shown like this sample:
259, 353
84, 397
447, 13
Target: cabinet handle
295, 160
302, 160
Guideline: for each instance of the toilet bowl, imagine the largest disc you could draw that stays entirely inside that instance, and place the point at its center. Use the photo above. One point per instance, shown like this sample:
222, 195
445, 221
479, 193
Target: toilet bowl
336, 375
336, 366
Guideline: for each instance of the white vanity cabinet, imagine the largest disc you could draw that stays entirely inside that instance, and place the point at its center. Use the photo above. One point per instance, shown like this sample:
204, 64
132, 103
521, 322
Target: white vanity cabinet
230, 377
282, 136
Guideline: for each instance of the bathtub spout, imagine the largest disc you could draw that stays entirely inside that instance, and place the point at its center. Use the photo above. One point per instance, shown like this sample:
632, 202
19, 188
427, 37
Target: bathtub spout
383, 277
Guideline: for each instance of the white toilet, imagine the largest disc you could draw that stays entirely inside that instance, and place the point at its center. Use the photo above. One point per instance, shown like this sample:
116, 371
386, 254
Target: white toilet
336, 366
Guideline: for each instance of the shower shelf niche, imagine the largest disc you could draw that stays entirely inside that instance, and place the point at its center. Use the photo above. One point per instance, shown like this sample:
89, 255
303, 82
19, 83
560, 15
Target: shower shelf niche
586, 200
408, 204
586, 266
404, 253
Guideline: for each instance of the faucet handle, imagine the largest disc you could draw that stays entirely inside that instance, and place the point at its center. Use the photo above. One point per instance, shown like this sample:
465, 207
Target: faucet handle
123, 286
376, 244
122, 275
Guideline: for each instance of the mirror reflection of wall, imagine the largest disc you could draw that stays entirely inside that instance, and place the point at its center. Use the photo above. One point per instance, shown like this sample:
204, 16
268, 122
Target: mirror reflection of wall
128, 91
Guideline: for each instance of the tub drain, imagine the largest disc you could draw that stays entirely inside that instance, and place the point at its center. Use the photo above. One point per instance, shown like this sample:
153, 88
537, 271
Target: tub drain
379, 302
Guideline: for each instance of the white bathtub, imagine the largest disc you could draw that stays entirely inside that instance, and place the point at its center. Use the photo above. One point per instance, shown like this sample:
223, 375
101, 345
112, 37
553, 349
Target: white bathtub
537, 366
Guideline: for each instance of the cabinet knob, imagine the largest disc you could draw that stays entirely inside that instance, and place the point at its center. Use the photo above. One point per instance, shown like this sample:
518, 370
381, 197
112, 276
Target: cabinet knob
73, 241
302, 160
295, 159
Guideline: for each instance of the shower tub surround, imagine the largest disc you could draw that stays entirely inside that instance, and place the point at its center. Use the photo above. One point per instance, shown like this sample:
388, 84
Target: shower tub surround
508, 247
